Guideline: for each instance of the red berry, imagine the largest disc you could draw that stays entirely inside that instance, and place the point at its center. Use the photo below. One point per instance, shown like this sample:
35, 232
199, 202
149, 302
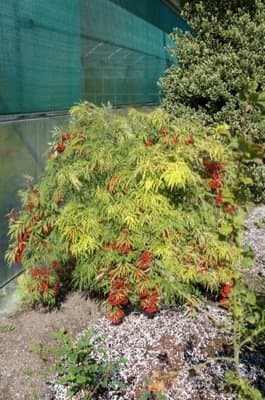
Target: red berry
215, 184
219, 198
125, 248
118, 283
118, 298
46, 229
148, 142
60, 147
189, 140
116, 316
174, 140
55, 264
43, 287
149, 304
164, 132
212, 166
229, 209
224, 303
21, 247
110, 246
18, 257
145, 260
226, 290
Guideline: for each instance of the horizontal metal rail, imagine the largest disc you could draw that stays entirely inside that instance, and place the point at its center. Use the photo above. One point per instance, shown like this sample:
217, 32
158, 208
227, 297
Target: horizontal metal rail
11, 118
9, 280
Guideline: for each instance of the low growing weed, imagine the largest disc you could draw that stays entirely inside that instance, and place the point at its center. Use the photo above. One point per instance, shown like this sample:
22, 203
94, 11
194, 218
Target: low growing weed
81, 366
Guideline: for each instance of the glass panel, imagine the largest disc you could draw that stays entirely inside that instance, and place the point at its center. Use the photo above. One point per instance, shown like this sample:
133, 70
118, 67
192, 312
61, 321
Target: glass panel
22, 148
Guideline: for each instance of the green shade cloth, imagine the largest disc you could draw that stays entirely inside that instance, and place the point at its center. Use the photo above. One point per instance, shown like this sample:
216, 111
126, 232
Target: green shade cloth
57, 52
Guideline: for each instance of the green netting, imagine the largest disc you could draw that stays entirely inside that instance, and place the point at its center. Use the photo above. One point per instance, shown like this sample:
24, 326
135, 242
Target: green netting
57, 52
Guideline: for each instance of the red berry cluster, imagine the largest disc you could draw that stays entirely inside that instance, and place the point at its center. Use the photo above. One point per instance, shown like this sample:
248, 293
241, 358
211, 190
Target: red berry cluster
224, 294
164, 132
118, 297
149, 303
44, 280
145, 260
214, 170
21, 245
230, 209
171, 140
189, 140
46, 229
174, 140
124, 248
36, 218
60, 147
148, 142
67, 136
116, 315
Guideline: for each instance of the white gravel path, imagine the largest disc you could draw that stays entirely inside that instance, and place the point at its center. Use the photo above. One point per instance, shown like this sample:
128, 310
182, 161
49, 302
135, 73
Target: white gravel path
255, 238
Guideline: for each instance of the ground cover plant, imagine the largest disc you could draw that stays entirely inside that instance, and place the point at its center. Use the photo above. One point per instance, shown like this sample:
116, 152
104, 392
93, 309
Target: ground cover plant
219, 76
80, 365
143, 210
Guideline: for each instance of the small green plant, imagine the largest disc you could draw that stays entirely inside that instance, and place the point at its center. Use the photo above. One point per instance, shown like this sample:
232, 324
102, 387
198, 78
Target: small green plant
5, 328
247, 329
155, 387
261, 223
257, 187
242, 387
80, 365
248, 320
152, 395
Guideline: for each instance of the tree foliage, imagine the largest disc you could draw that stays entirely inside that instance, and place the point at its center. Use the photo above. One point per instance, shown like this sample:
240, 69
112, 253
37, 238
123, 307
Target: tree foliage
217, 63
142, 208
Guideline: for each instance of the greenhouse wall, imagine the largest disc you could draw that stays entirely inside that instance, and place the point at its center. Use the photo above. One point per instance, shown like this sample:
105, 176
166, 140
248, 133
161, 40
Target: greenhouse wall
22, 152
58, 52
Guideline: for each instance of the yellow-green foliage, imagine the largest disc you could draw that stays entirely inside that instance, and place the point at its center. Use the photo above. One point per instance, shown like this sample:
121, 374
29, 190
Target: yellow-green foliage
128, 197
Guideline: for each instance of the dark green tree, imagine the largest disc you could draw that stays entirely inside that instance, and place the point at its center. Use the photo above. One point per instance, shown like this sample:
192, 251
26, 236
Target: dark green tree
218, 63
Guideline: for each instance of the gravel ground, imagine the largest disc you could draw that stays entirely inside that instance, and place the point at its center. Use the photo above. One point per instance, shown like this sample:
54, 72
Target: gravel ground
168, 343
172, 343
255, 238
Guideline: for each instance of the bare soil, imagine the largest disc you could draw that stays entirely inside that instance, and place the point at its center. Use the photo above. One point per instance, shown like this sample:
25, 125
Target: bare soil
21, 369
